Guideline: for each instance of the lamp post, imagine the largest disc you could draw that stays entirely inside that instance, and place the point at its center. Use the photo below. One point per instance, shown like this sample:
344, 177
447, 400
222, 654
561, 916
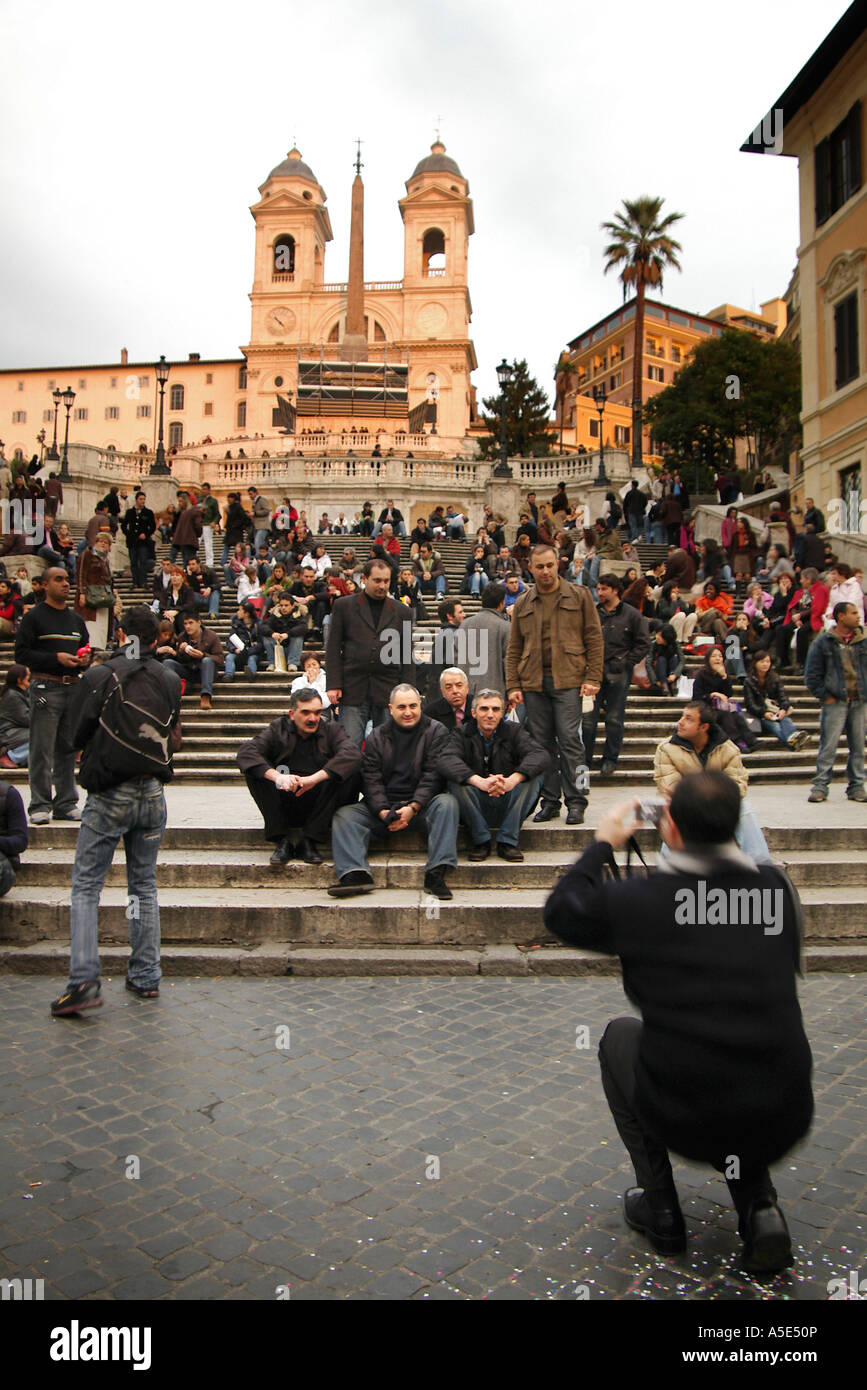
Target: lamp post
599, 397
52, 456
504, 376
67, 397
159, 464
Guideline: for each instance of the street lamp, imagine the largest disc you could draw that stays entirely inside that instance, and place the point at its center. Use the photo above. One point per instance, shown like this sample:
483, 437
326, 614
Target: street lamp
599, 397
67, 397
504, 376
159, 464
52, 456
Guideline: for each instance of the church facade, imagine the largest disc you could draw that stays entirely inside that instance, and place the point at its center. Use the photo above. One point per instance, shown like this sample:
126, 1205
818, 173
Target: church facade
329, 366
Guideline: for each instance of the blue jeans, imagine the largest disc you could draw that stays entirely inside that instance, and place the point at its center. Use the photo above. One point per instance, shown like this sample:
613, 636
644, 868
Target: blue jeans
353, 827
481, 812
749, 837
610, 704
833, 721
476, 582
18, 755
354, 719
554, 720
192, 672
455, 530
439, 585
251, 663
633, 528
292, 647
661, 667
137, 811
187, 553
260, 538
780, 728
48, 701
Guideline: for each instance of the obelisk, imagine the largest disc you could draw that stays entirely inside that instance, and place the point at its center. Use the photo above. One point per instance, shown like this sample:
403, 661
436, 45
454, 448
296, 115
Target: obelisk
354, 345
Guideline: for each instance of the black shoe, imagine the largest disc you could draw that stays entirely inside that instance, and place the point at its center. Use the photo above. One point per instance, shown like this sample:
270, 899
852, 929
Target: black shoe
282, 853
351, 884
549, 812
78, 999
767, 1243
435, 882
307, 852
663, 1226
480, 852
608, 768
511, 853
575, 815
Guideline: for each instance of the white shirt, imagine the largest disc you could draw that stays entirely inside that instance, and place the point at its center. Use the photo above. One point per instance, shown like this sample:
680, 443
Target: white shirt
318, 684
320, 566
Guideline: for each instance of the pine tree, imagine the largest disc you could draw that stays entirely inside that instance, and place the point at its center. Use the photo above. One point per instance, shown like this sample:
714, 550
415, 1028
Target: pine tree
528, 414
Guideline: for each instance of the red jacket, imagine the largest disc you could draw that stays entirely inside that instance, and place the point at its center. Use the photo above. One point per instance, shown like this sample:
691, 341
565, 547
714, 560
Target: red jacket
820, 594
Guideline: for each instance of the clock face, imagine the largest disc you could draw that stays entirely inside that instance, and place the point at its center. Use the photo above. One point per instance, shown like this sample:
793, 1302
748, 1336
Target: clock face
280, 322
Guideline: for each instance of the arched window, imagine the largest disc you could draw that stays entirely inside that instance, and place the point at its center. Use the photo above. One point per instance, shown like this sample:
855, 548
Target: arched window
378, 332
176, 398
334, 335
284, 254
433, 250
176, 434
242, 414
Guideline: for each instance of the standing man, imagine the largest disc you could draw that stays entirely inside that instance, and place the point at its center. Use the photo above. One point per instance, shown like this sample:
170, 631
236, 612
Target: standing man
813, 516
261, 509
138, 526
369, 649
627, 640
188, 529
486, 654
210, 518
299, 771
124, 714
553, 661
634, 504
47, 641
836, 673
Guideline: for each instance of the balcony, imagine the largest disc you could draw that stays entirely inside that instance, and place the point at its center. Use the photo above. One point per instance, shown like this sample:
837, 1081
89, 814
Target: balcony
282, 277
435, 274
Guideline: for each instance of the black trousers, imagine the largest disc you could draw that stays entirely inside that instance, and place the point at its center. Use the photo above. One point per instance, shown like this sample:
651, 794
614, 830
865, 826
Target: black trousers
312, 813
618, 1055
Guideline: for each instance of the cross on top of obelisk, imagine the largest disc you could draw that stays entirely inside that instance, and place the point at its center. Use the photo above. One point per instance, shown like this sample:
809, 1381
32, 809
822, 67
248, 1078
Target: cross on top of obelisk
358, 164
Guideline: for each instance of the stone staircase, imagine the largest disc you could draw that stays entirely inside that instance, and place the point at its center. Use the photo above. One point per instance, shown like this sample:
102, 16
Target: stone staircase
224, 910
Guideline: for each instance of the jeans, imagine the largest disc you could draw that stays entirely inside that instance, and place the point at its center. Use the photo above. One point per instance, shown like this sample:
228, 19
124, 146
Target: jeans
476, 582
610, 703
18, 755
187, 553
749, 836
399, 530
137, 811
139, 555
661, 667
455, 530
554, 720
251, 663
192, 672
292, 648
834, 719
780, 728
438, 583
48, 702
354, 719
633, 528
480, 812
618, 1055
260, 538
353, 826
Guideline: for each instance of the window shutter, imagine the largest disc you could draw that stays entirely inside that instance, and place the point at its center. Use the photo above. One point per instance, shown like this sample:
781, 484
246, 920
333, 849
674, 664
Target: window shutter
846, 340
854, 121
823, 181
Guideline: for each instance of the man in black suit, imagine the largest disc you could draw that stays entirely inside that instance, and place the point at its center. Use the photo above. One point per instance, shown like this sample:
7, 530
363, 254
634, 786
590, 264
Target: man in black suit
138, 526
394, 517
719, 1069
369, 651
452, 706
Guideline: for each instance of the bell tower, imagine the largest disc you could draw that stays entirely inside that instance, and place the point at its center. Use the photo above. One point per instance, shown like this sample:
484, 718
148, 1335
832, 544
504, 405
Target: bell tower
292, 229
438, 221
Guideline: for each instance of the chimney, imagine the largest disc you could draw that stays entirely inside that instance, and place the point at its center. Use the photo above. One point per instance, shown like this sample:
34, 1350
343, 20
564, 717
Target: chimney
124, 357
195, 357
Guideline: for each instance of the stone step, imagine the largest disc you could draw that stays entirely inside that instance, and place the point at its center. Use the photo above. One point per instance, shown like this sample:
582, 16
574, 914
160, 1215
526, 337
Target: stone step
392, 916
51, 958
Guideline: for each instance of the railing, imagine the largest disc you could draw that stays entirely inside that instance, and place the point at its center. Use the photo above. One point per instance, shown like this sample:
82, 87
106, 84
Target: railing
579, 467
434, 273
369, 285
282, 277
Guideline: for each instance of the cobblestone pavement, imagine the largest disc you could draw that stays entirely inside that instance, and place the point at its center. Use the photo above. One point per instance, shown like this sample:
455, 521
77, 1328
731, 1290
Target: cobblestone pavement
388, 1138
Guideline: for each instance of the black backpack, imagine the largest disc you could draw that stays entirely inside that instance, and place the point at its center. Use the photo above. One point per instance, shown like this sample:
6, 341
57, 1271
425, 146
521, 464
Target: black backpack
134, 738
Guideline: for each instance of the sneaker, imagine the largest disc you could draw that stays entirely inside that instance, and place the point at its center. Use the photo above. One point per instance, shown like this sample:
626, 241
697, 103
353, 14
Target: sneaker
78, 998
74, 814
817, 795
40, 817
858, 794
797, 740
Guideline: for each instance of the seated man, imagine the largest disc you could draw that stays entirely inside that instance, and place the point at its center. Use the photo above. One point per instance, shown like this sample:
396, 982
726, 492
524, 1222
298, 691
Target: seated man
299, 771
452, 707
200, 657
13, 834
428, 570
401, 780
494, 771
285, 627
311, 595
244, 645
719, 1070
204, 588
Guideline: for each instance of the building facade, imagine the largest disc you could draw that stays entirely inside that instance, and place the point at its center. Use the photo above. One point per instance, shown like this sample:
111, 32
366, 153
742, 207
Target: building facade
819, 120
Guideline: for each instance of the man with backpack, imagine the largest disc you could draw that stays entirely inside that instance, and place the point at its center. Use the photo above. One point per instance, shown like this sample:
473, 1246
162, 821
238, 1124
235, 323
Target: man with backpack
125, 715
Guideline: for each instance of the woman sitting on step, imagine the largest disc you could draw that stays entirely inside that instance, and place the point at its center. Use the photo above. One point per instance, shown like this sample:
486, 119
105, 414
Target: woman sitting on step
765, 699
712, 686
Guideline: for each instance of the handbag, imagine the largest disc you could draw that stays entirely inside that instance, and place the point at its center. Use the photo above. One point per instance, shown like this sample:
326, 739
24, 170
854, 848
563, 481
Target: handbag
684, 688
640, 676
99, 596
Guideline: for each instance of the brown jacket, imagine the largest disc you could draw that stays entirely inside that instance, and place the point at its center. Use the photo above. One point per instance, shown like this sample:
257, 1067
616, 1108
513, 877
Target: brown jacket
675, 758
188, 527
208, 644
92, 569
576, 641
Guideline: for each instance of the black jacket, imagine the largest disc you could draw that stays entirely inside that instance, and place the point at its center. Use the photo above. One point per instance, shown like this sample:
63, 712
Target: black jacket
275, 745
635, 503
755, 695
137, 522
364, 661
626, 637
251, 637
724, 1063
238, 523
378, 763
14, 718
440, 710
513, 749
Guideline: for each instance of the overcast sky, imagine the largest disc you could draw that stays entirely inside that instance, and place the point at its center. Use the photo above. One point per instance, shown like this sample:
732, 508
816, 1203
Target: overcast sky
135, 138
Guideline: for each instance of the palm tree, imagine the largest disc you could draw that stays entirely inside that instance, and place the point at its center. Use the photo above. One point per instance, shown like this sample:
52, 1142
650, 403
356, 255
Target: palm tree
642, 247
